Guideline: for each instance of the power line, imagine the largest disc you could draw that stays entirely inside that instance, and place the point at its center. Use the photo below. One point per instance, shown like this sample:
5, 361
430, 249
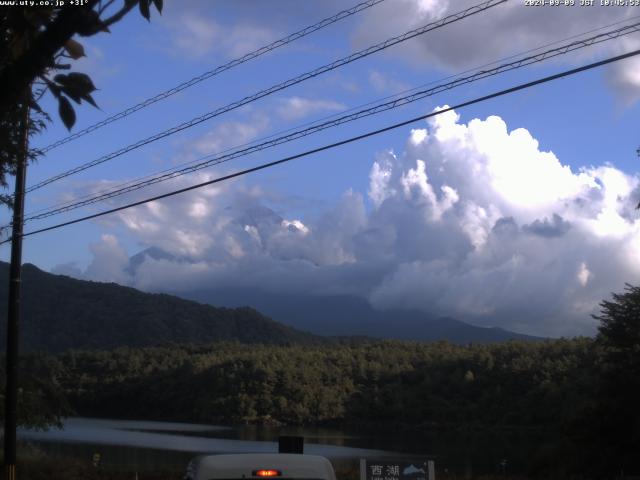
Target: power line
398, 102
211, 73
116, 188
517, 88
278, 87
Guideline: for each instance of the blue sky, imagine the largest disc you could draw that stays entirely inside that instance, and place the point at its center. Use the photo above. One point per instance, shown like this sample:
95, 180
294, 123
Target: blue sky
588, 121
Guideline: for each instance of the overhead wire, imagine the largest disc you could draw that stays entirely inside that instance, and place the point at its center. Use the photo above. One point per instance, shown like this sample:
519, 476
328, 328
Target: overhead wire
500, 93
215, 71
455, 17
378, 108
316, 121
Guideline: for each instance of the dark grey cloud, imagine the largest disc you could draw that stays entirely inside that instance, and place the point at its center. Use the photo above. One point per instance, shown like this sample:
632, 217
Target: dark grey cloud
556, 227
505, 226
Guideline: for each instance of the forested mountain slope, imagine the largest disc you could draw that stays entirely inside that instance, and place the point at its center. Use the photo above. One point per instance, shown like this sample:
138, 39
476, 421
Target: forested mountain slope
60, 312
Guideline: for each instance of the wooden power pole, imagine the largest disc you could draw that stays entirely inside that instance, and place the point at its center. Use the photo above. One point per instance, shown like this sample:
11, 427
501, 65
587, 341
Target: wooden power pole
13, 317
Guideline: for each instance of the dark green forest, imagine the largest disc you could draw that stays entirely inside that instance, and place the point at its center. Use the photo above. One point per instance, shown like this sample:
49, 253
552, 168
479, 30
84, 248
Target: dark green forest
583, 392
61, 313
547, 386
514, 384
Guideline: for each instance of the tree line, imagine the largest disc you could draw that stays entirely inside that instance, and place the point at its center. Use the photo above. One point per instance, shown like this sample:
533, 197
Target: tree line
439, 384
584, 390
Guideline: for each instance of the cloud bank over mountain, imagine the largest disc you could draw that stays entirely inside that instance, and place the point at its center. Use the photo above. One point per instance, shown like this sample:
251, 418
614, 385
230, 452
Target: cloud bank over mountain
471, 220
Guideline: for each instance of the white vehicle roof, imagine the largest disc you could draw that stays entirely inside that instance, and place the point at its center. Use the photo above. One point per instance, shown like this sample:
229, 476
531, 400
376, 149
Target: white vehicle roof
239, 466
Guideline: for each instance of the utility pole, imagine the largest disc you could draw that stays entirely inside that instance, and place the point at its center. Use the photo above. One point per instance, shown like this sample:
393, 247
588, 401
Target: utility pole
13, 317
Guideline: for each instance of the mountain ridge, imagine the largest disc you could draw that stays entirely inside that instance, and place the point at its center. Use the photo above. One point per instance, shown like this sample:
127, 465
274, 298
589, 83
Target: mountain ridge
337, 315
346, 315
60, 312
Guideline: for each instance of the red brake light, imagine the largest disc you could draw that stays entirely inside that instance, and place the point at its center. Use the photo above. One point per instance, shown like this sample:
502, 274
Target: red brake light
267, 473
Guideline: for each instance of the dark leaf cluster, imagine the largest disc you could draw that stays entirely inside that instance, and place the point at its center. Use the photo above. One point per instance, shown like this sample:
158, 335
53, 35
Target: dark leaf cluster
77, 87
35, 43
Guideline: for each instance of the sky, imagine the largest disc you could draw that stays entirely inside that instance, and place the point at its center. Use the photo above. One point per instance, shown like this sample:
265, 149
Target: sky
517, 212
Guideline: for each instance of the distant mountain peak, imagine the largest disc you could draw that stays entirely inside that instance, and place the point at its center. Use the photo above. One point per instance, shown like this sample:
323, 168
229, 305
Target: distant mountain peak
259, 215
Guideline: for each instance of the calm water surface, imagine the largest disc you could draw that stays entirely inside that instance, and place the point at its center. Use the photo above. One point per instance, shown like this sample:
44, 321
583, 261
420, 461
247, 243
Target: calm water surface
157, 444
154, 445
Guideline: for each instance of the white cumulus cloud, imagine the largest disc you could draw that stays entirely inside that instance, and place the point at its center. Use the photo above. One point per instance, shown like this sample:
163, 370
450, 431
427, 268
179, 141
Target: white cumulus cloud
471, 220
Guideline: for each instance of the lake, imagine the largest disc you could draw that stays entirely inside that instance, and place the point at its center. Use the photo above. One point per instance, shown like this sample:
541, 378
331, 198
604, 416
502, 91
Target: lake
151, 445
147, 445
